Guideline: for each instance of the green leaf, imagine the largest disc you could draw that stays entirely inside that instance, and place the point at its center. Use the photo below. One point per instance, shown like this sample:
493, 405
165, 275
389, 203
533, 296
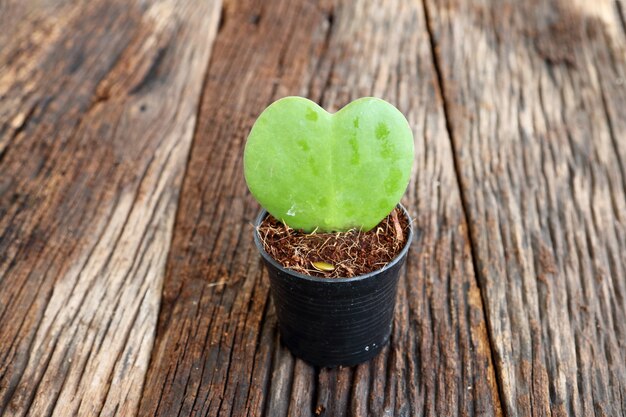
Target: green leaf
330, 172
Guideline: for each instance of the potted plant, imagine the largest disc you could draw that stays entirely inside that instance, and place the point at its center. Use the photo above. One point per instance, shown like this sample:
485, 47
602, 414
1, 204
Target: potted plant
332, 233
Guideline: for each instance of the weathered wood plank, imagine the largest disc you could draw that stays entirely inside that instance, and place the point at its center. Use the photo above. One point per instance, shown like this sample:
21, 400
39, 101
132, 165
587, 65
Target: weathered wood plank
97, 113
537, 113
217, 350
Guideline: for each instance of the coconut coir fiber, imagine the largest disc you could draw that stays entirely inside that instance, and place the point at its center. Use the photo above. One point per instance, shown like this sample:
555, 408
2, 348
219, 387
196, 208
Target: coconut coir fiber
349, 254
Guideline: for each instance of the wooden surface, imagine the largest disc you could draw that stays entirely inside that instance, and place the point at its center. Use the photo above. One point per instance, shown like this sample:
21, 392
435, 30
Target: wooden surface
129, 282
538, 128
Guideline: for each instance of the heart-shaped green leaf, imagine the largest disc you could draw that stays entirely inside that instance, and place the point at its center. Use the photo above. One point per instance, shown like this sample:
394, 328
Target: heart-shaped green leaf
330, 172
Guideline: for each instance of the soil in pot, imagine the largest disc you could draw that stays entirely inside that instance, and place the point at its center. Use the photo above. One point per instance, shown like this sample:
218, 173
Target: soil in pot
333, 255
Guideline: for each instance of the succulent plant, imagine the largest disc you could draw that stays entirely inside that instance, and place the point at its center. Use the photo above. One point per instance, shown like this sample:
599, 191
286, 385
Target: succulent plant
314, 170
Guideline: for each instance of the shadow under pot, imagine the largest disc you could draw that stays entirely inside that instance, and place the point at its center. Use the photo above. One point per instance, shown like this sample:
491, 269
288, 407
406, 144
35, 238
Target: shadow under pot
334, 321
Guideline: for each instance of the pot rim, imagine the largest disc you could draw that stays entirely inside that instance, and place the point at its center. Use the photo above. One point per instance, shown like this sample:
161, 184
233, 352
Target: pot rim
257, 241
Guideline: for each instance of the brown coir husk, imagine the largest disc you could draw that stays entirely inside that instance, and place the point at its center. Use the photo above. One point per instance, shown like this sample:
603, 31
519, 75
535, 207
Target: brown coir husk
350, 253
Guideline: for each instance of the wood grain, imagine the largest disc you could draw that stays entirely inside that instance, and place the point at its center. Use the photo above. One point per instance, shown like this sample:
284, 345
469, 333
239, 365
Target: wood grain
537, 113
107, 108
217, 351
97, 111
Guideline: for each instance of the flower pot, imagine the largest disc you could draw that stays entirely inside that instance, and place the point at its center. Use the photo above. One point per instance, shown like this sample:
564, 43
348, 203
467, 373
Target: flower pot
334, 321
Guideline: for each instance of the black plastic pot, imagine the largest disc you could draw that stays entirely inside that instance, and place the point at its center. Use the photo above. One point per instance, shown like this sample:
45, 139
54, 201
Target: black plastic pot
334, 321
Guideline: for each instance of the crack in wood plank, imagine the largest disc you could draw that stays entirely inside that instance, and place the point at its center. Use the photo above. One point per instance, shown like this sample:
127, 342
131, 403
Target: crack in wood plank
477, 297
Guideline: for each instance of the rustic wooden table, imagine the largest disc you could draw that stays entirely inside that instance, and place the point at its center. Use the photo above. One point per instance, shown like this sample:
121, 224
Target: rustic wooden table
129, 282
